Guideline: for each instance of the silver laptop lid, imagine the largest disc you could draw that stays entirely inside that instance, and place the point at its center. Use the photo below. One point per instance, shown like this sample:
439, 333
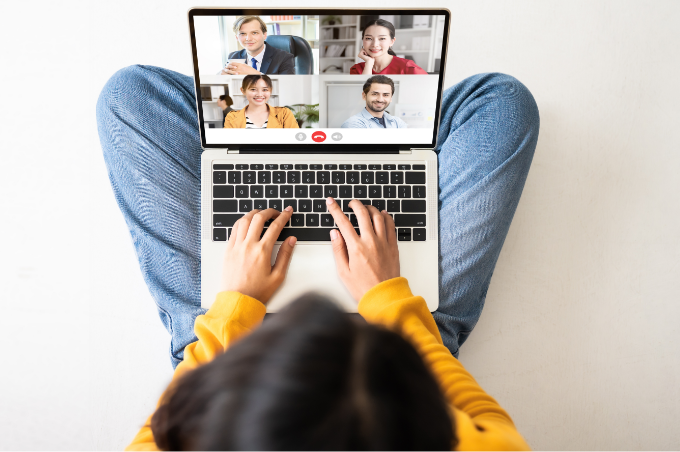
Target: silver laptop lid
306, 72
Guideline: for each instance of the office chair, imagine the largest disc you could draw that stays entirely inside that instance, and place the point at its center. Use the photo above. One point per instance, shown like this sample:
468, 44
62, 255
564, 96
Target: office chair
298, 47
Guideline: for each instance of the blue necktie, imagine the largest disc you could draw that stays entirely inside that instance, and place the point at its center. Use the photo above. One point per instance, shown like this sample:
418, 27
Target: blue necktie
254, 63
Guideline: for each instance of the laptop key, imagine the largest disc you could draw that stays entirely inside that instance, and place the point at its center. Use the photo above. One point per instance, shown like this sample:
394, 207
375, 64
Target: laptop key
353, 177
241, 166
257, 191
306, 234
276, 204
403, 220
225, 205
382, 177
375, 191
374, 167
315, 191
245, 205
415, 177
412, 205
330, 191
378, 204
345, 191
219, 177
367, 177
359, 167
223, 167
327, 220
293, 177
312, 219
301, 191
316, 166
338, 177
397, 177
319, 205
271, 166
345, 166
287, 166
419, 234
220, 234
290, 202
404, 191
308, 177
297, 219
234, 177
301, 166
418, 167
304, 205
287, 191
389, 191
256, 166
360, 191
404, 234
389, 167
279, 177
260, 204
345, 206
223, 191
264, 177
242, 191
323, 177
271, 191
419, 191
353, 220
249, 177
330, 166
393, 205
225, 219
404, 167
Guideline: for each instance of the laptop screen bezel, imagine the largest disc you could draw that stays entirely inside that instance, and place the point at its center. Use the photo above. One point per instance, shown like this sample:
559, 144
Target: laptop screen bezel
318, 148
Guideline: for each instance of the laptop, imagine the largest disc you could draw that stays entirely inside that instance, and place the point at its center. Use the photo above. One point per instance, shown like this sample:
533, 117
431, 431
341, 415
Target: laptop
333, 129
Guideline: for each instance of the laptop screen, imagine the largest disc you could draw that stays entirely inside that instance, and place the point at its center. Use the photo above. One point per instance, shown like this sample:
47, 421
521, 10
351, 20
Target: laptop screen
308, 79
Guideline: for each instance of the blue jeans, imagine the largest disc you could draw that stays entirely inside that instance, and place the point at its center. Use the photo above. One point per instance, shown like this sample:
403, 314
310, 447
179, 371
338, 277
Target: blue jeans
148, 129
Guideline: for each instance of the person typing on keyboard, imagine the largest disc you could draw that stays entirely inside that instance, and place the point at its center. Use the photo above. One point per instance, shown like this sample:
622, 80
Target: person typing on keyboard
313, 377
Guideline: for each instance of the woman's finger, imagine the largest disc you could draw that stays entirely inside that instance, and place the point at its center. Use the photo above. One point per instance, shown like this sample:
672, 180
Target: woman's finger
245, 225
378, 222
363, 218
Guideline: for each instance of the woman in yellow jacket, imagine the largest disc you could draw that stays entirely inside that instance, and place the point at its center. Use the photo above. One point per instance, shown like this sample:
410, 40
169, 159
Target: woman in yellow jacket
312, 377
258, 114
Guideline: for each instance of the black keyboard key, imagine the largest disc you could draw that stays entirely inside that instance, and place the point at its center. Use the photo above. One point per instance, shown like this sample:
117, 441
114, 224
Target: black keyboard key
223, 191
301, 191
297, 219
330, 191
276, 204
293, 177
220, 234
315, 191
260, 204
345, 191
219, 177
327, 220
301, 166
360, 191
323, 177
389, 191
419, 192
353, 220
389, 167
312, 220
375, 191
415, 177
287, 166
412, 205
366, 202
353, 177
249, 177
404, 220
245, 205
226, 219
241, 166
393, 205
382, 177
397, 177
345, 166
330, 167
271, 191
234, 177
304, 205
404, 191
345, 206
279, 177
225, 205
257, 166
374, 167
290, 202
378, 204
287, 191
404, 167
271, 166
419, 234
242, 191
257, 191
319, 205
360, 167
316, 166
418, 167
223, 166
264, 177
404, 234
338, 177
308, 177
306, 234
367, 177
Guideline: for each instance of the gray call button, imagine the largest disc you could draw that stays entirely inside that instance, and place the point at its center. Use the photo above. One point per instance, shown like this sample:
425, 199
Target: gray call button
337, 136
300, 136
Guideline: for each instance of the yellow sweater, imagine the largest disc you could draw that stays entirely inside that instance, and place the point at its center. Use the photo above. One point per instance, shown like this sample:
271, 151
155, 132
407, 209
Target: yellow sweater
279, 118
481, 424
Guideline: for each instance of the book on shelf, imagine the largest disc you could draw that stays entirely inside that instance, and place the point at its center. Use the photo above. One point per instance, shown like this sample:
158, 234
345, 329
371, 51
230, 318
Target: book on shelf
421, 21
275, 18
334, 50
273, 29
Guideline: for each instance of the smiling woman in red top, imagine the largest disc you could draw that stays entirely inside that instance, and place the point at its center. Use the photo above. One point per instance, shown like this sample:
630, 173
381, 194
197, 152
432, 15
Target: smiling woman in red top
377, 39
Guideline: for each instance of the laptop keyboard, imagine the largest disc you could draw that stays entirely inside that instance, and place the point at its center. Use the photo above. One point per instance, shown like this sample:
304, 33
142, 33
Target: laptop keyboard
398, 188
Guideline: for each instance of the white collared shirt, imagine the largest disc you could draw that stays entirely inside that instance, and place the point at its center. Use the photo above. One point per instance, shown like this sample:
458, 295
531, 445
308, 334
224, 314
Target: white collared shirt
258, 57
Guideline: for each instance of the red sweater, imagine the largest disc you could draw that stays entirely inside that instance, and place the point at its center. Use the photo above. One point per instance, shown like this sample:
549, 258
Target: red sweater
397, 66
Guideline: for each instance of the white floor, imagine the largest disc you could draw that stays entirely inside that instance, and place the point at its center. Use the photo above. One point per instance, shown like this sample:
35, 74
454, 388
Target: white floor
579, 339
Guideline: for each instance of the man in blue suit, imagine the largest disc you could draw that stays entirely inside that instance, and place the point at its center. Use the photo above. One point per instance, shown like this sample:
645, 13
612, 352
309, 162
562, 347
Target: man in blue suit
251, 31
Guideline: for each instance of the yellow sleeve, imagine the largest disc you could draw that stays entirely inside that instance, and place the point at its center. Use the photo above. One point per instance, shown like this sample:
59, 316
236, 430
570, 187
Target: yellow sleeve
232, 316
481, 423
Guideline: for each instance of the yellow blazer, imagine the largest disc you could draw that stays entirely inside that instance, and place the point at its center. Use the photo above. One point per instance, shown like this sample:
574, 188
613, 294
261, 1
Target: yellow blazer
279, 118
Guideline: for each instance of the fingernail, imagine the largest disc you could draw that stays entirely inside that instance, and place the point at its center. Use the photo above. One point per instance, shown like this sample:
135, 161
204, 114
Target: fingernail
292, 241
334, 234
329, 201
289, 208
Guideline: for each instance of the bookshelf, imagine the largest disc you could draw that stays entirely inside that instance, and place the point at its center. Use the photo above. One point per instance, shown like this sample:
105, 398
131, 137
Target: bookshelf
338, 43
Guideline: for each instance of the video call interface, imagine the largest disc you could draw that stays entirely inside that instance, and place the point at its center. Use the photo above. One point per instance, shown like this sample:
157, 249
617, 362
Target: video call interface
309, 79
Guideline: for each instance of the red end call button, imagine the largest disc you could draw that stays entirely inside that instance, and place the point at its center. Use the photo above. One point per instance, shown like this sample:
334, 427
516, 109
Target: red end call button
318, 136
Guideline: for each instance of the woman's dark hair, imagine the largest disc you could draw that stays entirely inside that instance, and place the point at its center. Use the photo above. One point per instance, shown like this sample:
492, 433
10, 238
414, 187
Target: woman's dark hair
311, 377
381, 23
227, 98
251, 79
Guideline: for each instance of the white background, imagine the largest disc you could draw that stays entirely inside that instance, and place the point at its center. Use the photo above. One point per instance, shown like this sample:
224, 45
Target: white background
579, 339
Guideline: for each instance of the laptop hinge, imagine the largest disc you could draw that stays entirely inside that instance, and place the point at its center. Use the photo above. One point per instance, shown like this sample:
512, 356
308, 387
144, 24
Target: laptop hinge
405, 151
232, 151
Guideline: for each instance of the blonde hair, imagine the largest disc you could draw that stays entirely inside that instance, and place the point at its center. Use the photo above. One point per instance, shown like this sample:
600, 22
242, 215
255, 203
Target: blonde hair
245, 19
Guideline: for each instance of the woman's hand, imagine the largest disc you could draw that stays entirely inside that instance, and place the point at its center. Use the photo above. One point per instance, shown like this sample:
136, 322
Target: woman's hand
247, 264
370, 61
366, 260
